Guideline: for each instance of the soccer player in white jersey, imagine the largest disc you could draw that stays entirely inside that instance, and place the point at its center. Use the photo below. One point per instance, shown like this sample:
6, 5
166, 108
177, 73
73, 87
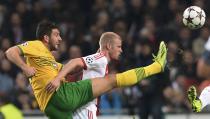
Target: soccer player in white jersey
203, 70
96, 65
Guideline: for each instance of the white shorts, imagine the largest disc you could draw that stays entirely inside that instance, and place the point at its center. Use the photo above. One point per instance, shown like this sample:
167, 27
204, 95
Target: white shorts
84, 114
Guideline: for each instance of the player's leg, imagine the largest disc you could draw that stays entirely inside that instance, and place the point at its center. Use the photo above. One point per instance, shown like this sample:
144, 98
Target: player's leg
54, 112
130, 77
71, 96
68, 98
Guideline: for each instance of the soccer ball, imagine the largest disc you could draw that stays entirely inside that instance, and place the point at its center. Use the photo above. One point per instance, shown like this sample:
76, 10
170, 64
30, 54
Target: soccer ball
194, 17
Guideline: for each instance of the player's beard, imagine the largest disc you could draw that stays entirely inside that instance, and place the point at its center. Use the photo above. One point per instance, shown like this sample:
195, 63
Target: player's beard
52, 46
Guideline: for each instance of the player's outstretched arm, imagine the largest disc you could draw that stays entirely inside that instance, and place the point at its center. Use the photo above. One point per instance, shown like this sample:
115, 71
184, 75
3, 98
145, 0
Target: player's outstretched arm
68, 68
14, 55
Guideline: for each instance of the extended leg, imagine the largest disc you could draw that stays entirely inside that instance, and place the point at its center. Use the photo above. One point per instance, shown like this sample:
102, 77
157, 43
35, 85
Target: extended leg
130, 77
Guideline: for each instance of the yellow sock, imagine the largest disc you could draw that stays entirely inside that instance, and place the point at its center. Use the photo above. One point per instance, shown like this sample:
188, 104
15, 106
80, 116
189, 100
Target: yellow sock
152, 69
133, 76
126, 78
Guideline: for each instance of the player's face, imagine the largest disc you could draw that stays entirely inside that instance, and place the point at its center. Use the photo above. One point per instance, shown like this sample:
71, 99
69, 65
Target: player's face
116, 49
55, 39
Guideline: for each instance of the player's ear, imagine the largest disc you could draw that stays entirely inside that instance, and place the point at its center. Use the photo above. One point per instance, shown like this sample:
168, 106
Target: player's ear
108, 46
46, 38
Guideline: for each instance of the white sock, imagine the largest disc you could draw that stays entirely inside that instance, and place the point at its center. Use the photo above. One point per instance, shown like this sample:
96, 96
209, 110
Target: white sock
205, 96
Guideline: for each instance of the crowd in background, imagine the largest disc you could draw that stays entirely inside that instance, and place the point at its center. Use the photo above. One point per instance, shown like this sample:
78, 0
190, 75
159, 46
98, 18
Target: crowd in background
142, 24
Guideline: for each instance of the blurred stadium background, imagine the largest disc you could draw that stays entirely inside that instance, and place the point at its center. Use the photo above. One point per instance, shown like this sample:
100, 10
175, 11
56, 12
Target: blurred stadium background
141, 23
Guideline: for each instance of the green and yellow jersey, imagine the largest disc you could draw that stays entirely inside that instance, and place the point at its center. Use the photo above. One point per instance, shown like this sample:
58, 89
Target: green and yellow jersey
38, 56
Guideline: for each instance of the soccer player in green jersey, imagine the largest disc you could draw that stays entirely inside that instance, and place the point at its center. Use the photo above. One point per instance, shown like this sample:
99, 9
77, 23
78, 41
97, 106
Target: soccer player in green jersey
57, 98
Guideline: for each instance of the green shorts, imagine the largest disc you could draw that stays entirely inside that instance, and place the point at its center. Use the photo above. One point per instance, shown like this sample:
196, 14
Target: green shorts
68, 98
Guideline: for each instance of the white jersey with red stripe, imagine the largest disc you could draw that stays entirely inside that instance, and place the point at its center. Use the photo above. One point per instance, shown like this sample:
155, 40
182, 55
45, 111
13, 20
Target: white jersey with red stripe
96, 65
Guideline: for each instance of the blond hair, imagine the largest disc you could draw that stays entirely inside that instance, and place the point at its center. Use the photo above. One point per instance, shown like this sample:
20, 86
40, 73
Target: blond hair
107, 38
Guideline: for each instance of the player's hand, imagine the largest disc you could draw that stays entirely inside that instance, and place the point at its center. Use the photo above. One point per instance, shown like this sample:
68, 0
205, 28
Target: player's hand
53, 85
29, 71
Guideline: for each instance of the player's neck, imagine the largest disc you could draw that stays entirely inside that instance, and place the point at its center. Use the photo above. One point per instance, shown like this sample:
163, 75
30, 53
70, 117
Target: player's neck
106, 54
46, 45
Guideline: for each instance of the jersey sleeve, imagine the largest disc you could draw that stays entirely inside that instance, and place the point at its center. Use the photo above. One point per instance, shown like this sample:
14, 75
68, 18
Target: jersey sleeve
27, 48
60, 66
93, 61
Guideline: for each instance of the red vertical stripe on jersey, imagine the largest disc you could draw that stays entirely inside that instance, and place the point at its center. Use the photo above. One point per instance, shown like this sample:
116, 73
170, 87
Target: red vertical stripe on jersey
107, 70
97, 105
90, 114
85, 66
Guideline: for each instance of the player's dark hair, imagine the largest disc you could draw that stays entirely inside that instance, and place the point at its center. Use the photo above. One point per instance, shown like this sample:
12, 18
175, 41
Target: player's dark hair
45, 28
